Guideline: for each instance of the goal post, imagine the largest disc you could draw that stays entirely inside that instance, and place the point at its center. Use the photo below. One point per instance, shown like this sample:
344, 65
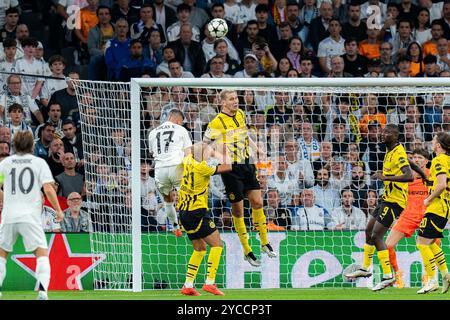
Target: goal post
115, 121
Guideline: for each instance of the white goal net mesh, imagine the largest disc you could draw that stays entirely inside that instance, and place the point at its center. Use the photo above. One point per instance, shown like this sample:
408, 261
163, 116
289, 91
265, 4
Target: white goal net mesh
322, 145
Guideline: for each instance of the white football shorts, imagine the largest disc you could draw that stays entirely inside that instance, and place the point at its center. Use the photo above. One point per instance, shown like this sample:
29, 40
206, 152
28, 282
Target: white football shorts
33, 236
168, 178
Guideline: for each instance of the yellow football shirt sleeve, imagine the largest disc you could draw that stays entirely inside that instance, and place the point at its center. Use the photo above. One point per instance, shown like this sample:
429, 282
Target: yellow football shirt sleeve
401, 158
440, 166
213, 131
205, 170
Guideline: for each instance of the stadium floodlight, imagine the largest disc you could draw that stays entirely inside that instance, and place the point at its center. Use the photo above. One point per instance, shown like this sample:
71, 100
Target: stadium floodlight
116, 118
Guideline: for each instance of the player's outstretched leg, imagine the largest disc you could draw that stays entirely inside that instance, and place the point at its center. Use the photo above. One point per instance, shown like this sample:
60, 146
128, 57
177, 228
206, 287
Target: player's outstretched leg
193, 265
379, 230
43, 275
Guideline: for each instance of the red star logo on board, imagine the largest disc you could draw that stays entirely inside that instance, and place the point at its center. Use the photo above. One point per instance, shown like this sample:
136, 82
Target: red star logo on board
67, 268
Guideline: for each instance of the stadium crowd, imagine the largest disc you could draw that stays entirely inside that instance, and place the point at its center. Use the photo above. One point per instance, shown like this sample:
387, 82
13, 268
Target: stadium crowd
316, 175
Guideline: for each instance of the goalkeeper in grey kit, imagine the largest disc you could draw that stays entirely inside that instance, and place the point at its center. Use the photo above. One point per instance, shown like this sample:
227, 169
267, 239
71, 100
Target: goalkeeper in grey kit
167, 143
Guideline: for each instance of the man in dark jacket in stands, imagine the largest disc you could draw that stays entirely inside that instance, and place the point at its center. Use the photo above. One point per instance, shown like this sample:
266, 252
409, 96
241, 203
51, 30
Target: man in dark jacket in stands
136, 65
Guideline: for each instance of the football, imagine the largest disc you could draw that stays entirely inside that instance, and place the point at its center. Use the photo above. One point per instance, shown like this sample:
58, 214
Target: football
218, 28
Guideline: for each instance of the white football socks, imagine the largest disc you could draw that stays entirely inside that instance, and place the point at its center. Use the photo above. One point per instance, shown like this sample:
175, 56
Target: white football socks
43, 271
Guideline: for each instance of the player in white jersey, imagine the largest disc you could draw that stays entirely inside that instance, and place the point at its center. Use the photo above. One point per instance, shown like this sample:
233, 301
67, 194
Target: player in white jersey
23, 175
167, 144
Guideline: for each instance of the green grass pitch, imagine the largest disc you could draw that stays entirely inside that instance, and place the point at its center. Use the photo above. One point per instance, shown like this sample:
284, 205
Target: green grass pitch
239, 294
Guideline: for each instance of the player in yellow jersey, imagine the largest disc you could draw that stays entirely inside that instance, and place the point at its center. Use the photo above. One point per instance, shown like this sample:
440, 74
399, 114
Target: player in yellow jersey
396, 174
436, 215
194, 218
230, 128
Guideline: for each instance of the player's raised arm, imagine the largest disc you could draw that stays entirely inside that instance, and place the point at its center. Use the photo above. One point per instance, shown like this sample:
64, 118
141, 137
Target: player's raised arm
417, 169
51, 195
407, 176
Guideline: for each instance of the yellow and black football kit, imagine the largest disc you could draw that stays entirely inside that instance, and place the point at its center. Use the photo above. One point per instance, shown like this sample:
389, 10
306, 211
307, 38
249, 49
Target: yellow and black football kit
193, 198
395, 196
233, 132
437, 213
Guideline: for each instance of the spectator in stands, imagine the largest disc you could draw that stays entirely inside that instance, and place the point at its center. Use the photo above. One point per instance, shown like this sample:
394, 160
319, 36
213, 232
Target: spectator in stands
365, 6
280, 113
408, 10
339, 177
340, 138
403, 38
370, 102
5, 135
430, 69
198, 15
386, 58
358, 184
189, 52
300, 169
354, 63
325, 195
183, 17
9, 27
67, 99
283, 181
446, 118
5, 150
15, 95
55, 155
413, 115
57, 65
371, 148
267, 62
163, 67
347, 216
370, 48
280, 215
296, 51
8, 61
73, 142
48, 218
164, 15
437, 32
75, 218
69, 181
306, 67
414, 52
355, 27
337, 68
404, 66
370, 203
443, 57
123, 10
281, 47
54, 119
432, 112
22, 33
435, 9
326, 152
265, 30
309, 146
216, 69
178, 97
16, 119
309, 216
98, 37
422, 31
177, 71
141, 29
250, 67
305, 16
45, 137
117, 50
31, 85
136, 65
374, 68
397, 115
318, 29
330, 46
88, 20
222, 49
247, 38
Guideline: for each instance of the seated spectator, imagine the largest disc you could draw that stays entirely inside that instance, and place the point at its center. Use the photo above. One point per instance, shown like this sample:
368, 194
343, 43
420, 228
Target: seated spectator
247, 38
61, 200
14, 95
283, 181
443, 57
404, 66
325, 195
339, 176
284, 65
177, 71
446, 118
31, 85
183, 17
437, 32
306, 67
67, 99
309, 146
154, 49
226, 50
267, 62
22, 33
309, 216
326, 152
330, 46
75, 218
422, 30
387, 60
98, 38
39, 56
73, 141
347, 216
300, 19
318, 29
359, 187
141, 29
57, 65
5, 150
371, 102
48, 217
192, 122
355, 28
403, 38
8, 61
9, 27
189, 52
433, 111
430, 69
177, 100
5, 135
374, 68
163, 67
397, 115
370, 203
280, 216
280, 113
42, 144
251, 64
69, 181
340, 138
117, 50
281, 47
370, 48
123, 10
354, 63
265, 29
414, 52
300, 169
136, 65
17, 122
337, 68
88, 20
296, 52
216, 69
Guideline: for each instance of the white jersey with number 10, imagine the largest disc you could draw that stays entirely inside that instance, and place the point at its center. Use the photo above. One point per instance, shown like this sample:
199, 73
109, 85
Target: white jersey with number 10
167, 143
23, 177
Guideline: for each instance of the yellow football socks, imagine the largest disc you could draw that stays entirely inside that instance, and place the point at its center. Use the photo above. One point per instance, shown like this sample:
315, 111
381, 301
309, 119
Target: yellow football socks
428, 260
368, 255
241, 230
213, 264
260, 223
194, 263
383, 256
439, 258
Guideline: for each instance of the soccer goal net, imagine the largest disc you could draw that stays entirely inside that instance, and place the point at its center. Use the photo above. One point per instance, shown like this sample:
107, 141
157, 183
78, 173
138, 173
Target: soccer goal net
322, 142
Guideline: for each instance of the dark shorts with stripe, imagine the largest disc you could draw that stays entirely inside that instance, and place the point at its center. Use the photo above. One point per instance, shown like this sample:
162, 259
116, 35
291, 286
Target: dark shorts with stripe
238, 181
387, 212
197, 224
432, 226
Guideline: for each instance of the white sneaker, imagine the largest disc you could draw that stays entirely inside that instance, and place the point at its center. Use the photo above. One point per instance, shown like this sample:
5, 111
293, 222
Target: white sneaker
250, 257
360, 273
267, 249
445, 283
431, 286
385, 282
42, 295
